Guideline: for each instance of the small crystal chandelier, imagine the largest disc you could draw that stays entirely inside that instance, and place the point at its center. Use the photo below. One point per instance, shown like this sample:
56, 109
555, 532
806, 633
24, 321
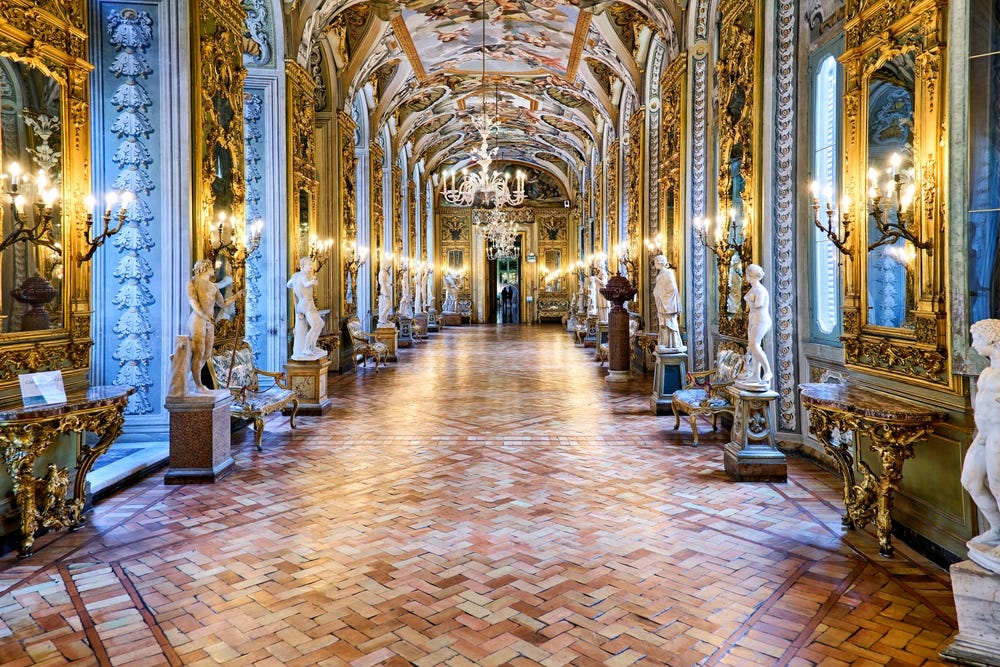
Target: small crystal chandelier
500, 232
493, 187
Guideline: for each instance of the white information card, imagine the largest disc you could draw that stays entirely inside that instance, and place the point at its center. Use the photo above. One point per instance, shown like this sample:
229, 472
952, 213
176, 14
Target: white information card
42, 388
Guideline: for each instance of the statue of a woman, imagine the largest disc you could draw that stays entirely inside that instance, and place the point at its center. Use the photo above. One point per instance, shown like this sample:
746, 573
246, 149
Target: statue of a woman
757, 375
981, 471
384, 298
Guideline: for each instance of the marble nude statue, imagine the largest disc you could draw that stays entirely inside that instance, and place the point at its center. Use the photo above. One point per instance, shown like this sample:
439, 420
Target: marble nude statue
405, 300
204, 295
981, 470
308, 321
450, 304
757, 375
668, 306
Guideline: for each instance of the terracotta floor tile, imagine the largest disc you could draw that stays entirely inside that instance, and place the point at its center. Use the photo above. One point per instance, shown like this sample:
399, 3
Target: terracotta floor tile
486, 500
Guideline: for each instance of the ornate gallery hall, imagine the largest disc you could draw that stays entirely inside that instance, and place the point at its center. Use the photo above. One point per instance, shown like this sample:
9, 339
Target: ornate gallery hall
507, 522
485, 332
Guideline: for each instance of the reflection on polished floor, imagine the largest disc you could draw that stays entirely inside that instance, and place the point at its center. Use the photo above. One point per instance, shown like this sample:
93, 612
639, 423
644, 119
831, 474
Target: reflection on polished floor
489, 500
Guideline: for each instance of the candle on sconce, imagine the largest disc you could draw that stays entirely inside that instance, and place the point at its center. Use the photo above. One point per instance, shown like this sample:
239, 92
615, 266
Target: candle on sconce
894, 162
814, 189
14, 169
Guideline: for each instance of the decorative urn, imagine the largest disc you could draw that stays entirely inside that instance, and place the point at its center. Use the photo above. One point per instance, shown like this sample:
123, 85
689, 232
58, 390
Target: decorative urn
35, 291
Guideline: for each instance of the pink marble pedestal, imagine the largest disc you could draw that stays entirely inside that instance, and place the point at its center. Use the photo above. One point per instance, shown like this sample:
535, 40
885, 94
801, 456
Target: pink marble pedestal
200, 451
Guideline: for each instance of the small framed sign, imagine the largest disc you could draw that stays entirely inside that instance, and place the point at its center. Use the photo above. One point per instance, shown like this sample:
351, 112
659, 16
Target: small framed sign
42, 388
531, 257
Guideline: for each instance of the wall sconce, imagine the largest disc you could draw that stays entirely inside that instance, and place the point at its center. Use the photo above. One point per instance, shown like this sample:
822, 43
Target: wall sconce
624, 255
319, 252
894, 223
228, 239
355, 257
95, 242
40, 232
725, 232
828, 227
654, 245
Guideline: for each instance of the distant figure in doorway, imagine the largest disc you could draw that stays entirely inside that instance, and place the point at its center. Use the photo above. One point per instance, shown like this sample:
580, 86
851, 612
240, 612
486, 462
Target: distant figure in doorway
506, 296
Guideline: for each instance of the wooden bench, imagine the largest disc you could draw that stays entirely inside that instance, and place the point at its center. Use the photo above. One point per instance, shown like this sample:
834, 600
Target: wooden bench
705, 393
366, 346
251, 400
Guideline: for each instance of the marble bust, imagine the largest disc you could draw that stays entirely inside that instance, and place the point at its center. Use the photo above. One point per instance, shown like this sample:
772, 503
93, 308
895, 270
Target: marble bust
981, 469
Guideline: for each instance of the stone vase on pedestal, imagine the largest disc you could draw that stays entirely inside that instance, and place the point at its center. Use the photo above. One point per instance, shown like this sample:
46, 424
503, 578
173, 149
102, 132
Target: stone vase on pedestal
618, 290
200, 443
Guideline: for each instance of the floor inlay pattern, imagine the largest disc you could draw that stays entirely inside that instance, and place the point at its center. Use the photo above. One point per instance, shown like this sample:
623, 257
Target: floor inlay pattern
487, 500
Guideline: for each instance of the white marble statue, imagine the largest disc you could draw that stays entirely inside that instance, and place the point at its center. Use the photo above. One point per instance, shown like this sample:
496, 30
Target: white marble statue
418, 288
431, 299
384, 295
581, 291
981, 471
308, 322
405, 300
668, 307
757, 375
204, 295
450, 304
603, 306
592, 298
181, 382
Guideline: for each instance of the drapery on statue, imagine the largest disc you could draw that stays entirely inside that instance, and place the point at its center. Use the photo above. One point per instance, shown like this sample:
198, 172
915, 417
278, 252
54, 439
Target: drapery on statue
600, 279
981, 470
384, 297
308, 322
668, 306
204, 295
450, 304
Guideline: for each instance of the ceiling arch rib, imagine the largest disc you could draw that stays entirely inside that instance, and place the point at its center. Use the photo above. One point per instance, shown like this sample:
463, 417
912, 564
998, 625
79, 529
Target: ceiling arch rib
550, 70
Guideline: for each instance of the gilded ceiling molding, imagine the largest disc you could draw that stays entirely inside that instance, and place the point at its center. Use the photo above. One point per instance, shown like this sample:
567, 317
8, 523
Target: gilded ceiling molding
409, 49
785, 370
579, 41
698, 338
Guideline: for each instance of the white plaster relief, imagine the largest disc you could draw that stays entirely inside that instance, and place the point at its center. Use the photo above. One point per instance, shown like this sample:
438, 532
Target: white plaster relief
698, 339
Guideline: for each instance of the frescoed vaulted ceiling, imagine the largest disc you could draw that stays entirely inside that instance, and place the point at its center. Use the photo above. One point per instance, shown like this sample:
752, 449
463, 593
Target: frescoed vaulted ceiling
552, 71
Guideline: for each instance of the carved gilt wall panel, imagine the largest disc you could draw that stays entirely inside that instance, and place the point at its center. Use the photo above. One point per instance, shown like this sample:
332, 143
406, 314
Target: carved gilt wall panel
895, 294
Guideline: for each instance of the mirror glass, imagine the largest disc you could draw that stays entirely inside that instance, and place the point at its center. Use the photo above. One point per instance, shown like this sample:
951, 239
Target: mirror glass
734, 295
890, 267
31, 261
455, 260
553, 268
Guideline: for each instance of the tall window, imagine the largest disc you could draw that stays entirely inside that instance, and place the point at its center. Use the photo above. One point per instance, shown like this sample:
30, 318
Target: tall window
825, 269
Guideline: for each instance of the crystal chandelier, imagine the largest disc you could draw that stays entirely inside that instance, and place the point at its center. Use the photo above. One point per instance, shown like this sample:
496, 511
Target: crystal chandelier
500, 232
492, 187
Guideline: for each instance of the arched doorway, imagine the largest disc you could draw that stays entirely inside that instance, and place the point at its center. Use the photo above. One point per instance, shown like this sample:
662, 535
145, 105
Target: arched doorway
504, 287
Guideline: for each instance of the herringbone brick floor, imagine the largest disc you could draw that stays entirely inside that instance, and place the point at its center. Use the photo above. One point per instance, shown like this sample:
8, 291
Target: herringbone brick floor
488, 500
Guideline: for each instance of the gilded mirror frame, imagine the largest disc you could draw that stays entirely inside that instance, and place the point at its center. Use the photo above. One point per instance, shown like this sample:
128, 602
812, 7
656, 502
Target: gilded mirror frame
737, 72
876, 34
55, 43
673, 196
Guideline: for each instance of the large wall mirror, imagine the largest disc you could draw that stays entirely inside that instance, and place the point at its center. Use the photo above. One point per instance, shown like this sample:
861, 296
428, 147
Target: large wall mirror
890, 272
895, 309
553, 270
31, 156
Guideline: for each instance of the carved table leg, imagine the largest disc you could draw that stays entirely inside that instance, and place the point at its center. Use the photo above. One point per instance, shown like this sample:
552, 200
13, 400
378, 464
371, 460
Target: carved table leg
822, 425
108, 425
894, 444
24, 495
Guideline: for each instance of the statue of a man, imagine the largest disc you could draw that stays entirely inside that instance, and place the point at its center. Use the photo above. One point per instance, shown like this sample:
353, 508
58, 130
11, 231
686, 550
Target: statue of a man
668, 307
405, 300
308, 321
204, 295
418, 288
981, 470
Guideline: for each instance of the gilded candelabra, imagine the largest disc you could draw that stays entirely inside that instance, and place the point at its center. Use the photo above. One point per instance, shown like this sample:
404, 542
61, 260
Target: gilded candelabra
319, 251
897, 221
624, 258
837, 236
228, 239
355, 257
95, 242
726, 233
38, 229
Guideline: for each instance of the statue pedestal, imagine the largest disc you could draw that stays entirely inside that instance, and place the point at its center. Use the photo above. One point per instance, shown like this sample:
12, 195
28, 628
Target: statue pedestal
405, 337
308, 379
451, 319
977, 602
602, 339
590, 339
387, 334
432, 319
420, 325
668, 377
200, 444
751, 454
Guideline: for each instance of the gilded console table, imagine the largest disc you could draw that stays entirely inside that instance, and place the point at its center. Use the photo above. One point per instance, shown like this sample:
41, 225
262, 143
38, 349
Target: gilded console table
49, 501
893, 427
